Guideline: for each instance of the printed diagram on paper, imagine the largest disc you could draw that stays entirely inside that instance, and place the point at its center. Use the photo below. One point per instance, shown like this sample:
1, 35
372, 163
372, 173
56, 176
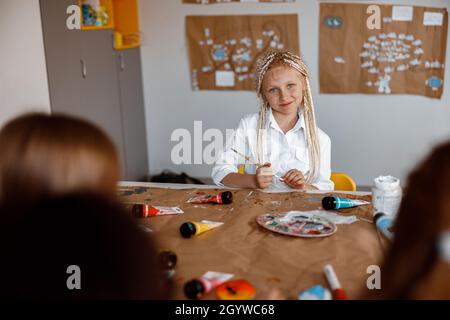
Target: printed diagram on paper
407, 55
224, 49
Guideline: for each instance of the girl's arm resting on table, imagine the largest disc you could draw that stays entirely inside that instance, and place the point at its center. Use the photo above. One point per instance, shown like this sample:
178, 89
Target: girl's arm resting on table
237, 180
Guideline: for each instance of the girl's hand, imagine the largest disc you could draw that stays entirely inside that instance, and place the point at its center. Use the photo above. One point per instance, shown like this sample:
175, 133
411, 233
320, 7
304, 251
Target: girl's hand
295, 179
264, 176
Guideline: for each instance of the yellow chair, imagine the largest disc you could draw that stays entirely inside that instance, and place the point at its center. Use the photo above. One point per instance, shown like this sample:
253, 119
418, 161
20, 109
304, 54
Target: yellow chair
343, 181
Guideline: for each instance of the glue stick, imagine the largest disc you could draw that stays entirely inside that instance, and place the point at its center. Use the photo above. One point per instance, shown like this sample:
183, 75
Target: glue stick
336, 289
195, 289
192, 228
332, 203
225, 197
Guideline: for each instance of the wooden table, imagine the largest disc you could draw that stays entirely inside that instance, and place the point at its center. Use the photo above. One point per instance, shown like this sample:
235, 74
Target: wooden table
240, 246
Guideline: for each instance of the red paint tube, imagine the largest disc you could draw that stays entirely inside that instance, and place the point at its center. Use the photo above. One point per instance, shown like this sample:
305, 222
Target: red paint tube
144, 210
225, 197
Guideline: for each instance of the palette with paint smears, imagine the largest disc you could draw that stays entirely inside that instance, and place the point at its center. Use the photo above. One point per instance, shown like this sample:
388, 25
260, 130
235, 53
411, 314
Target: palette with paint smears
307, 227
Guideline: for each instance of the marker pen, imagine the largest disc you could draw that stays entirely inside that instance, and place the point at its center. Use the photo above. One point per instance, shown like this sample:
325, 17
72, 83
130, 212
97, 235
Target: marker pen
336, 289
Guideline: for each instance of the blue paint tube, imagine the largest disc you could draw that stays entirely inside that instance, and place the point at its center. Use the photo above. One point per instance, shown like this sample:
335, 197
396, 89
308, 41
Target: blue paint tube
332, 203
384, 224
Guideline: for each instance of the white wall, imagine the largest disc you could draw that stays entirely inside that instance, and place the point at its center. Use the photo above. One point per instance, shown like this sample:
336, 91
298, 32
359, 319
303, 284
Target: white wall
23, 75
371, 134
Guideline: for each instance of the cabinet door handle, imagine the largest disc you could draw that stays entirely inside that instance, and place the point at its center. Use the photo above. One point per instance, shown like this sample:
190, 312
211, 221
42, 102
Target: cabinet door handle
83, 69
122, 61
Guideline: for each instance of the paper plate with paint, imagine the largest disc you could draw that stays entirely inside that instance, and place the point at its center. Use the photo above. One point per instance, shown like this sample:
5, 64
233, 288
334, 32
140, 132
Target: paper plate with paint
236, 290
299, 226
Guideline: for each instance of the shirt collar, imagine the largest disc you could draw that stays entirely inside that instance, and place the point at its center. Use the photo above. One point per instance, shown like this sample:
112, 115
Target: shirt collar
299, 125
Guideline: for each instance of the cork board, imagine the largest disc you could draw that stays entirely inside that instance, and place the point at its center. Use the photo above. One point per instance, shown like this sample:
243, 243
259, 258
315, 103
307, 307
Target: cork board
241, 247
405, 56
223, 50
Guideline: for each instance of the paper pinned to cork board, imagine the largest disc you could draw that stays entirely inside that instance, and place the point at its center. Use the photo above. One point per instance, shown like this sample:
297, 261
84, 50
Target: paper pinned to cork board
405, 56
223, 50
228, 1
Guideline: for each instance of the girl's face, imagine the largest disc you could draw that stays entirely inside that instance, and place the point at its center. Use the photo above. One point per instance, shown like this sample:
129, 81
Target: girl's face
283, 89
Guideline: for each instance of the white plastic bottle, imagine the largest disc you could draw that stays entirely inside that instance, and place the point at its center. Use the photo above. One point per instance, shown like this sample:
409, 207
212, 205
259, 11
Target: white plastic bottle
386, 195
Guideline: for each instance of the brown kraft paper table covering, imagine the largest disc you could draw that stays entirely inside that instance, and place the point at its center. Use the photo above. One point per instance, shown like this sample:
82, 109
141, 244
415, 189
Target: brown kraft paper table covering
266, 259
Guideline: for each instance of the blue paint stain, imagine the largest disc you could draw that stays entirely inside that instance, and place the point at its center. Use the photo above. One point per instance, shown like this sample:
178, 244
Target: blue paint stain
434, 82
333, 22
219, 54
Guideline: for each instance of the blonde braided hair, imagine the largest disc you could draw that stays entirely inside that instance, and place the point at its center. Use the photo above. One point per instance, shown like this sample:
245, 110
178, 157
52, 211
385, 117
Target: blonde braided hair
265, 63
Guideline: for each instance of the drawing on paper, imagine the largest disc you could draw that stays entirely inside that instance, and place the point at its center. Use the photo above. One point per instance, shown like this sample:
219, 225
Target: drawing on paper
406, 56
223, 50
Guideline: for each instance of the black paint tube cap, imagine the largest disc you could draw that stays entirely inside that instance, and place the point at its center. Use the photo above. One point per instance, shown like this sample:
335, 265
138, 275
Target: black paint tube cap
194, 289
187, 229
329, 203
377, 216
227, 197
138, 210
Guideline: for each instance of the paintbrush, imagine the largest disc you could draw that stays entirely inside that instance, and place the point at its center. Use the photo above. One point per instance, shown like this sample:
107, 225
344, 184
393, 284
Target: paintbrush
244, 156
249, 159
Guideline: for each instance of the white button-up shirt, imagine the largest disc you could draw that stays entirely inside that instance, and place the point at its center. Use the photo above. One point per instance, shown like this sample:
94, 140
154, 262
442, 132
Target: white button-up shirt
284, 151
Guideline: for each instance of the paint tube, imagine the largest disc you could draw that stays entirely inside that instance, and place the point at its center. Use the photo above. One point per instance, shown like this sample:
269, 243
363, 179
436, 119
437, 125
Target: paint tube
192, 228
195, 289
332, 203
143, 210
336, 289
225, 197
384, 223
315, 293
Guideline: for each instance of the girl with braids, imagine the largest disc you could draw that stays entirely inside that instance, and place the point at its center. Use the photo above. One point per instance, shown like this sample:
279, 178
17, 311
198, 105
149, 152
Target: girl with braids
281, 146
